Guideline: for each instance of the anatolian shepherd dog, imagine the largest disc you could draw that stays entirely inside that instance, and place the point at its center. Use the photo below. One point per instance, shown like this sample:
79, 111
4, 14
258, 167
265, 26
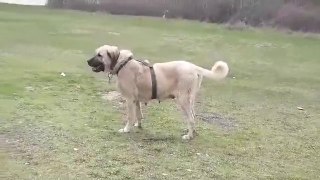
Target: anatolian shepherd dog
140, 82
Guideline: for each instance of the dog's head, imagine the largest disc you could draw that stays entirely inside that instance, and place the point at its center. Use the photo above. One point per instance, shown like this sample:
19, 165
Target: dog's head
105, 58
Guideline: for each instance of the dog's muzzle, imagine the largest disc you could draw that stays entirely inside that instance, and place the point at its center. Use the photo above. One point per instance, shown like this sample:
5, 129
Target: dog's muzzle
96, 64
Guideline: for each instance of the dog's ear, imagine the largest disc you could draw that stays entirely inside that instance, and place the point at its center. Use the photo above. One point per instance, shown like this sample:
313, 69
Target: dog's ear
109, 55
113, 53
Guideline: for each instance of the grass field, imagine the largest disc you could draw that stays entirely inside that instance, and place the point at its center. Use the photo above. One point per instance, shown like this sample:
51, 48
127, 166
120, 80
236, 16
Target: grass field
55, 127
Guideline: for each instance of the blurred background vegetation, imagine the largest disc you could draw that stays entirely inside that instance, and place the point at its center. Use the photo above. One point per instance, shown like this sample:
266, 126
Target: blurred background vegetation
298, 15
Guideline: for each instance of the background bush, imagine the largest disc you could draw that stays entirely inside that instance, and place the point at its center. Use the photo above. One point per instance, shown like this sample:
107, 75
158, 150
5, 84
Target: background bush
302, 15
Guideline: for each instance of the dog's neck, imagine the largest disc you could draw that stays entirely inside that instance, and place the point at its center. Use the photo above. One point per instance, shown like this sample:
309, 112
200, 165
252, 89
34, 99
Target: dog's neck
119, 65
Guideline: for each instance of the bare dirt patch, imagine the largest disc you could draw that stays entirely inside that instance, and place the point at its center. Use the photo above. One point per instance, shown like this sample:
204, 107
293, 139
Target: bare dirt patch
225, 123
9, 144
112, 96
4, 143
116, 99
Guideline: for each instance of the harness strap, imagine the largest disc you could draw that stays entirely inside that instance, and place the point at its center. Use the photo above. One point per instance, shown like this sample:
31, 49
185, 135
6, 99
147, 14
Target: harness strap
154, 83
153, 78
116, 70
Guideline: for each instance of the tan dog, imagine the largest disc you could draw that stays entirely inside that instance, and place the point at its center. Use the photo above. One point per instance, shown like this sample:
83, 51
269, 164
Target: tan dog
179, 80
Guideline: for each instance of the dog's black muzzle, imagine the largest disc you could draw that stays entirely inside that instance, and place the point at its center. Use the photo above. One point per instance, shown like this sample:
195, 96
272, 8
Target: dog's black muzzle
96, 64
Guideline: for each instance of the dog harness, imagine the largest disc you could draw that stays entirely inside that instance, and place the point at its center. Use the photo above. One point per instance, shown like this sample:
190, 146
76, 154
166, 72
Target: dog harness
116, 70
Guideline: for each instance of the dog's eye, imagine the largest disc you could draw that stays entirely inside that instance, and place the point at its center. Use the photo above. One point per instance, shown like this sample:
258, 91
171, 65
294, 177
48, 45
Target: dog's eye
99, 55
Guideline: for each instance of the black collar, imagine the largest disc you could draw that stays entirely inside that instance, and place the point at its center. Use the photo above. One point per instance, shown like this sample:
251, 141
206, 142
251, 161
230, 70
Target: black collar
116, 70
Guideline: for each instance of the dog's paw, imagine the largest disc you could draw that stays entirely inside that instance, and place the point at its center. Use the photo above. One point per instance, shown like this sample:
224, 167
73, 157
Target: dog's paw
186, 137
124, 130
138, 125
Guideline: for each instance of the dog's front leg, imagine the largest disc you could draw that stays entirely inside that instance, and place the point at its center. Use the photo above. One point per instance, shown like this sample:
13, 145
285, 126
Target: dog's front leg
138, 114
131, 112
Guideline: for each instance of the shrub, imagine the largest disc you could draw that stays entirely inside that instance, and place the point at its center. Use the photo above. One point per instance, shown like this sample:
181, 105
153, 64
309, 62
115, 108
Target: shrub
294, 14
298, 18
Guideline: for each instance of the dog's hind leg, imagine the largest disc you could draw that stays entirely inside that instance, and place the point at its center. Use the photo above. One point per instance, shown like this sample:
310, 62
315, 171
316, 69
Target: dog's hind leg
193, 94
131, 108
186, 106
188, 87
138, 114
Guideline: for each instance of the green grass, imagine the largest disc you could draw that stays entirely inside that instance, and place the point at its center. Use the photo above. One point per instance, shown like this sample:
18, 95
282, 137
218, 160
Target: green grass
44, 116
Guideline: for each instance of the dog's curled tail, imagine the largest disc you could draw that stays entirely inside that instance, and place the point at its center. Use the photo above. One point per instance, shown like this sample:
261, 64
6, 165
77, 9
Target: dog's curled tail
219, 71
